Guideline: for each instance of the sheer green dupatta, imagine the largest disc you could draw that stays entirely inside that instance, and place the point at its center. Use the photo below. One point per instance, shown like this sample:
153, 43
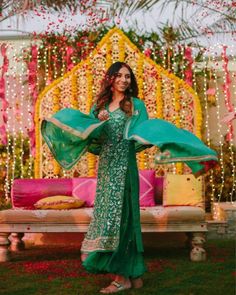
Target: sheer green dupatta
70, 133
176, 145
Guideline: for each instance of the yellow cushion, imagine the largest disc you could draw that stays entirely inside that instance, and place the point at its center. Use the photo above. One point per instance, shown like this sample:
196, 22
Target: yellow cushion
59, 202
183, 190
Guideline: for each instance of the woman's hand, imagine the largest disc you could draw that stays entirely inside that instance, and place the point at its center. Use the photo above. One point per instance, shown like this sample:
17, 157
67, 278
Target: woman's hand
103, 115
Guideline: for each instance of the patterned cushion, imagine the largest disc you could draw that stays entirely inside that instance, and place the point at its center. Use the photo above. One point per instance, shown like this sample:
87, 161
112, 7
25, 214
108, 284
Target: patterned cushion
183, 190
26, 192
58, 203
85, 189
146, 188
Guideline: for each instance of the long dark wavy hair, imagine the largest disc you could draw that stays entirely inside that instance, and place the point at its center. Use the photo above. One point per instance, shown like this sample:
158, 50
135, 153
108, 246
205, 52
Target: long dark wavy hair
105, 95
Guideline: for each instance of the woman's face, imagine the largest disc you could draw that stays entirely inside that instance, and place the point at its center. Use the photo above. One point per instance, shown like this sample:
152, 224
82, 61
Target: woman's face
122, 80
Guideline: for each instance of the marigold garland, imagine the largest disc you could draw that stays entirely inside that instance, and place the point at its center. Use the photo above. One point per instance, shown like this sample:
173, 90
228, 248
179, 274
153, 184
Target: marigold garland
139, 75
121, 45
90, 157
198, 117
184, 85
123, 39
91, 164
176, 104
178, 166
49, 65
89, 78
74, 94
56, 99
142, 160
159, 100
56, 107
109, 54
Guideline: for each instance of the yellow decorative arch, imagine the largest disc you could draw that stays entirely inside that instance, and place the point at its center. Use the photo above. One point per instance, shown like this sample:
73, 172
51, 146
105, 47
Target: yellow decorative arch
166, 96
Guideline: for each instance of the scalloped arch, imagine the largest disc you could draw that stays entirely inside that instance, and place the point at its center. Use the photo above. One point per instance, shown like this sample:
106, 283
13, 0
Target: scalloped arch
166, 96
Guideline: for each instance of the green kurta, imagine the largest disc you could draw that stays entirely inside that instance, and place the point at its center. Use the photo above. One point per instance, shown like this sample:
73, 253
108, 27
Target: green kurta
114, 235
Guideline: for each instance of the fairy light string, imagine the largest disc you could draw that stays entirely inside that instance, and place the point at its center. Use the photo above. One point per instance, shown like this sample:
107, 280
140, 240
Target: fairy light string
194, 77
46, 65
182, 50
55, 58
229, 107
219, 126
20, 113
232, 49
177, 167
64, 65
141, 88
207, 117
165, 82
31, 119
205, 99
48, 56
13, 94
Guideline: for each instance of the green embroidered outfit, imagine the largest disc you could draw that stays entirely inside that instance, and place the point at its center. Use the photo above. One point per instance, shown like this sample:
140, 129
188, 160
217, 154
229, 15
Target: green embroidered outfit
114, 235
113, 240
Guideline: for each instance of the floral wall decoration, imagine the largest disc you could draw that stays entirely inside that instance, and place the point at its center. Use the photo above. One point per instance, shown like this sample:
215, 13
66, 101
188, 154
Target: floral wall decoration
4, 103
28, 66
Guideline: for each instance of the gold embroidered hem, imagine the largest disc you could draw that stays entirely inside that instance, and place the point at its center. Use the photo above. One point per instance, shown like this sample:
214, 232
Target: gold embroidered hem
100, 244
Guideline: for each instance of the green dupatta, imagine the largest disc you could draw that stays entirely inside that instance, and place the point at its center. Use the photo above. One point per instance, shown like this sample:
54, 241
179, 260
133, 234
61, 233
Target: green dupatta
70, 133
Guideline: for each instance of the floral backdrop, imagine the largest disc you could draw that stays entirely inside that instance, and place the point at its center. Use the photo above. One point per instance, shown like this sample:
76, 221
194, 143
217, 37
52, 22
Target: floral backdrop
26, 69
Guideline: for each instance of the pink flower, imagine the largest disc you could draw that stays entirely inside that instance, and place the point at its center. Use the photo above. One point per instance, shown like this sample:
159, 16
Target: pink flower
3, 135
148, 52
211, 91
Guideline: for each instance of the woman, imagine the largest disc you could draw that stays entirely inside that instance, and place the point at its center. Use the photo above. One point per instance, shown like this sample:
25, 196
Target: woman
117, 128
113, 240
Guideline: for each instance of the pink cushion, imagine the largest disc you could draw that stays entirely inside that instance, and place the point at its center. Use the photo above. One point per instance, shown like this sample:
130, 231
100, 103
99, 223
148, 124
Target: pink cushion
146, 188
84, 188
26, 192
